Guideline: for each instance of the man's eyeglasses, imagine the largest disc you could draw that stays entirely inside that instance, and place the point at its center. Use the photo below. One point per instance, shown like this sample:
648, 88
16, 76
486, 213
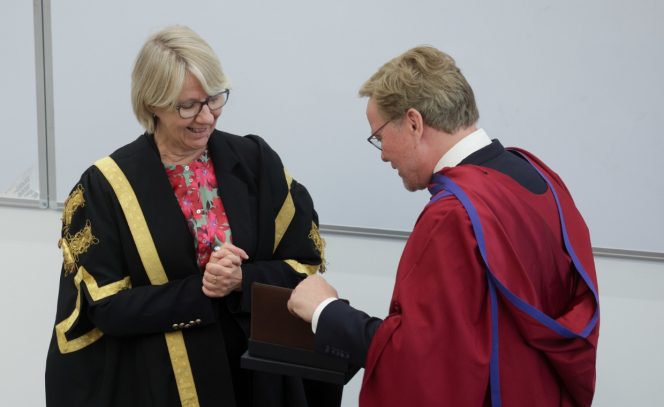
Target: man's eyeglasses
374, 138
192, 109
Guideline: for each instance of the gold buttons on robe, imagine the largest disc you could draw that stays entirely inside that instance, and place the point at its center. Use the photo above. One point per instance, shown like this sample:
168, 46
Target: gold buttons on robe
190, 324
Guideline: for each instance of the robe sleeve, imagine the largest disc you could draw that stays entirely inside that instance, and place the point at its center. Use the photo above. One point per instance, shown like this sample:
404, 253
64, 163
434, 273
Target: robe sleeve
96, 287
290, 247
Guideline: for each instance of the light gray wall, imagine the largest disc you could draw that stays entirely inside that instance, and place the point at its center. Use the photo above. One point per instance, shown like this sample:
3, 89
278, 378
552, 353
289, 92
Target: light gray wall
362, 269
578, 83
18, 110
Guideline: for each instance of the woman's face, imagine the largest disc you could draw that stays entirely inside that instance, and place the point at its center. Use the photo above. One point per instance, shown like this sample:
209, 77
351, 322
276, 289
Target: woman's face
187, 135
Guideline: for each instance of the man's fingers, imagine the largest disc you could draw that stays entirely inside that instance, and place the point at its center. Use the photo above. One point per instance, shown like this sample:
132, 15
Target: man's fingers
290, 305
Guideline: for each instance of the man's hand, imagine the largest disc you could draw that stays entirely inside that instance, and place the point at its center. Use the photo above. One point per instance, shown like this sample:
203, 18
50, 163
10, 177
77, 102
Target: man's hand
308, 294
223, 273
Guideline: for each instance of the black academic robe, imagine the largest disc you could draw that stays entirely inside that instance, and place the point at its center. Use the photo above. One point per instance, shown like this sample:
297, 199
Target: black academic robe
108, 346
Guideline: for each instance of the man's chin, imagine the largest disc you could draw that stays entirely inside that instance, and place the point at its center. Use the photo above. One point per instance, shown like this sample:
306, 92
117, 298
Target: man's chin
409, 186
412, 186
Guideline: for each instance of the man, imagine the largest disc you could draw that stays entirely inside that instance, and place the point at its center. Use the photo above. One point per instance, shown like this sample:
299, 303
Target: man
495, 300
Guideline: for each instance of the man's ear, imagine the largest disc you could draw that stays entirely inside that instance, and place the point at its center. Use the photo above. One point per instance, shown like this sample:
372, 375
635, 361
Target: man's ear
414, 121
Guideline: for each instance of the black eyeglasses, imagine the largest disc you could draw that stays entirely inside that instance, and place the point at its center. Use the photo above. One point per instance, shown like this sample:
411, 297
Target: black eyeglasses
193, 108
374, 139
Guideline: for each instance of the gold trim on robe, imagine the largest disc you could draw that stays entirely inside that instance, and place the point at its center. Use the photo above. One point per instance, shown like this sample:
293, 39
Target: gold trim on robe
302, 268
97, 293
285, 215
73, 202
155, 271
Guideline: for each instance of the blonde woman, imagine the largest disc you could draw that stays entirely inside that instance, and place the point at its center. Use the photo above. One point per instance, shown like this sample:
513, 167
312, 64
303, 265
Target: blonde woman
162, 241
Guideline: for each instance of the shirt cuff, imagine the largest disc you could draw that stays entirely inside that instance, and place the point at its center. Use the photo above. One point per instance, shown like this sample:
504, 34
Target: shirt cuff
318, 310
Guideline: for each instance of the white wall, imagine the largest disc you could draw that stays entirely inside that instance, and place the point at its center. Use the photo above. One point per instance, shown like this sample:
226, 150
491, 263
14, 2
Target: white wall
544, 73
30, 268
632, 301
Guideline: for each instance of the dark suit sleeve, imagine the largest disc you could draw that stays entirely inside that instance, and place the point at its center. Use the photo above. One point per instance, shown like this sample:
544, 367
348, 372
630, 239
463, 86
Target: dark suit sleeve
345, 332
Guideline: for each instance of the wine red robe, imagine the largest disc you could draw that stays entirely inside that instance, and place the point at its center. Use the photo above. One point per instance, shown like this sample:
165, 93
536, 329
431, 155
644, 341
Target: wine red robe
436, 346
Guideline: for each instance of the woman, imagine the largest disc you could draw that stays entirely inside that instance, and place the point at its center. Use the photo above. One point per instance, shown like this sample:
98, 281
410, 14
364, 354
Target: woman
161, 243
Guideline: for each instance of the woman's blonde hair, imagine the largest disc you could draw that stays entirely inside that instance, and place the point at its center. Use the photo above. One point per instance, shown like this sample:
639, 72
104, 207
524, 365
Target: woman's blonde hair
161, 67
427, 80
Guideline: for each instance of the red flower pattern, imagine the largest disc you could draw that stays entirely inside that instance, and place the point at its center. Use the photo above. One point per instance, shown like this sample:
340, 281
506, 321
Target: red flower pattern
205, 175
195, 187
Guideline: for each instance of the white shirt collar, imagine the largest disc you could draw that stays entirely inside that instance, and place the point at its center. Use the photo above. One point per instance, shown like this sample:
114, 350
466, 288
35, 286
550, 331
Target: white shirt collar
462, 149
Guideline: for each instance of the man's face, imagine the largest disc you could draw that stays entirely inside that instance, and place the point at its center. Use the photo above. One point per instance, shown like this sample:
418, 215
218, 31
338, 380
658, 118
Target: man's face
399, 148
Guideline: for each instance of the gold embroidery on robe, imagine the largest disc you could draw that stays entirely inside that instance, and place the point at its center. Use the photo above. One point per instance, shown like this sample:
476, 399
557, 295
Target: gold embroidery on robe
74, 201
74, 245
319, 243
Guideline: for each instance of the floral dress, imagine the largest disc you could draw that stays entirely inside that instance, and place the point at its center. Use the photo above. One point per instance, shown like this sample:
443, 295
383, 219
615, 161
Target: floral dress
196, 189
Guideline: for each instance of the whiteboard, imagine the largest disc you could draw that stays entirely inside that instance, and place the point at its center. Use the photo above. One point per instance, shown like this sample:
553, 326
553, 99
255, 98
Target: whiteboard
577, 83
19, 166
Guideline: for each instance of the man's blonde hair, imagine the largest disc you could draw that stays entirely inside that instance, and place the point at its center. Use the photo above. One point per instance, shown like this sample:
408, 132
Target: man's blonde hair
427, 80
161, 67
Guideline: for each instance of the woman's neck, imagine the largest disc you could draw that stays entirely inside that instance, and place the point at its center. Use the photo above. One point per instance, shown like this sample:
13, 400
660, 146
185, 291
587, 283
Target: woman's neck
174, 155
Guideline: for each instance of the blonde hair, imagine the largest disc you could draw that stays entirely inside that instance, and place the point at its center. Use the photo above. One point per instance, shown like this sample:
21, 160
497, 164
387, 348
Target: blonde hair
427, 80
161, 67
